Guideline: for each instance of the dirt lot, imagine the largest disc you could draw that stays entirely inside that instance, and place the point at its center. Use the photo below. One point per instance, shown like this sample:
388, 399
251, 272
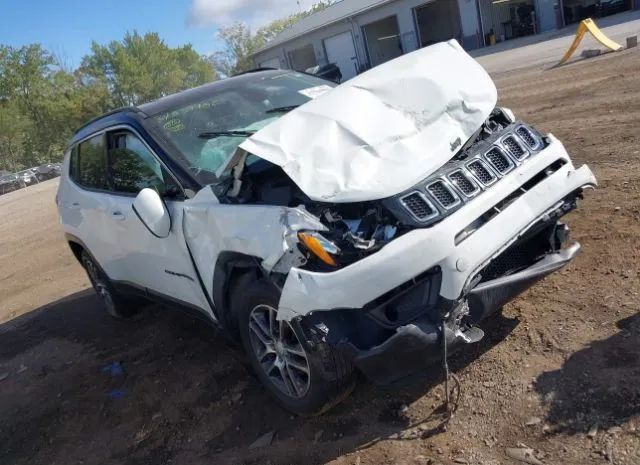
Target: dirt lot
559, 371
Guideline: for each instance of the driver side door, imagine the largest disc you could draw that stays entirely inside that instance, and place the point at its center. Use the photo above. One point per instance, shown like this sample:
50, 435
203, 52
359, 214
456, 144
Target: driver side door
161, 266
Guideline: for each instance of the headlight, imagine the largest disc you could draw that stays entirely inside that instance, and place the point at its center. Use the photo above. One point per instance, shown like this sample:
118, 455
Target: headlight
319, 246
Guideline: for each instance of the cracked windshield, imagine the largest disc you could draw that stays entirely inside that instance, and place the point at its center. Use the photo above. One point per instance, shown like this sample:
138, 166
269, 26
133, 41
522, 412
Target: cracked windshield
208, 131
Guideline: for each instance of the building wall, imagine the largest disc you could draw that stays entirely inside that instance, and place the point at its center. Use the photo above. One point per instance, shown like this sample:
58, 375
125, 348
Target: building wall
402, 9
546, 14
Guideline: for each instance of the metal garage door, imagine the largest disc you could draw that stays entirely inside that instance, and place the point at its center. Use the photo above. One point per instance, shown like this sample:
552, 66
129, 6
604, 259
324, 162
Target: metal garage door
341, 51
302, 58
270, 63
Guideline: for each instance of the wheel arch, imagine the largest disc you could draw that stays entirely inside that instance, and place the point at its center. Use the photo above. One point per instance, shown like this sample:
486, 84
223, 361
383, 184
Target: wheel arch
77, 246
76, 249
232, 271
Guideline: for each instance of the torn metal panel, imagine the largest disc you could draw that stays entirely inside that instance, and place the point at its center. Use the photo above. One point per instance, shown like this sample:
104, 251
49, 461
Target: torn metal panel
405, 257
384, 130
263, 231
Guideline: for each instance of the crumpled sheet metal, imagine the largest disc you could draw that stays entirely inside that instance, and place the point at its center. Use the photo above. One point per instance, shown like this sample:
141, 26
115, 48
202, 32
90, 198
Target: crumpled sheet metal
384, 130
406, 257
257, 230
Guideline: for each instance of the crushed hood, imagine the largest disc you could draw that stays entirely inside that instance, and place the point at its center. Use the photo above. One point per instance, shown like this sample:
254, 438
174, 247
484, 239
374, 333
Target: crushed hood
384, 130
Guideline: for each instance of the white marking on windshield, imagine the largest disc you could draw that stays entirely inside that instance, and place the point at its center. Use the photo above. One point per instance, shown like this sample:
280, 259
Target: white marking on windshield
315, 92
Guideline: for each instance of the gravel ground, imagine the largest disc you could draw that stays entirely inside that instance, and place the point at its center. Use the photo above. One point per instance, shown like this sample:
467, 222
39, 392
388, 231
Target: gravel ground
556, 379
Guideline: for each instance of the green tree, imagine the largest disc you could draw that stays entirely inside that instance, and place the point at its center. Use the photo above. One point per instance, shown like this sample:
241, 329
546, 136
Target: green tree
237, 55
42, 100
33, 97
13, 127
41, 105
240, 43
142, 67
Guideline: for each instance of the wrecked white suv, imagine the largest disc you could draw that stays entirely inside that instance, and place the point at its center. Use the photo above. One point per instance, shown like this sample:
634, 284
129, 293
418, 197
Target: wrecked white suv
330, 229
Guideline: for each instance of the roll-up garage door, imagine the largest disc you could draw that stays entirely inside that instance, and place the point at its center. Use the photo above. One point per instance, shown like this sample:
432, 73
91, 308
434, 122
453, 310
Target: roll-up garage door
341, 51
270, 63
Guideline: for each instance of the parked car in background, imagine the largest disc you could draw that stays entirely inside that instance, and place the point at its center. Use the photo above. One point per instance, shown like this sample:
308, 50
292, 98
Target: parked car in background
9, 183
370, 226
12, 181
609, 7
47, 171
330, 71
27, 177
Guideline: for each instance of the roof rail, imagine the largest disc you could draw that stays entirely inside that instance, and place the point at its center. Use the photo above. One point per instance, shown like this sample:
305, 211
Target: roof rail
104, 115
254, 70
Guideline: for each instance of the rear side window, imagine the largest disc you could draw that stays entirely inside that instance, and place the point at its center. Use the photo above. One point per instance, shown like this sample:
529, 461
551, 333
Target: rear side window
92, 164
133, 167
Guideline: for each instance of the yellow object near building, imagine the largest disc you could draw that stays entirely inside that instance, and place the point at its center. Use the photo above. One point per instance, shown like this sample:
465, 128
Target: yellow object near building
589, 25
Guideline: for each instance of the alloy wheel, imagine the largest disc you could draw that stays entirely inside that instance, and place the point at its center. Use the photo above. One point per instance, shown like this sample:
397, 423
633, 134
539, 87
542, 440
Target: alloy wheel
279, 352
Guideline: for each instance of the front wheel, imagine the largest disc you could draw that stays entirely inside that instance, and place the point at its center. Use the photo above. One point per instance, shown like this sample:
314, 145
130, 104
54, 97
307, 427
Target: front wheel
306, 382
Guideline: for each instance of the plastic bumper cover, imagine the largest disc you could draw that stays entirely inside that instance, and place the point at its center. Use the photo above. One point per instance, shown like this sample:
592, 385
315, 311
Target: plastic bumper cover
422, 249
417, 345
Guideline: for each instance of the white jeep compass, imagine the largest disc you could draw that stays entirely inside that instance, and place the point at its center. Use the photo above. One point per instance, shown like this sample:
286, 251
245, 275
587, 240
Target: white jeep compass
368, 227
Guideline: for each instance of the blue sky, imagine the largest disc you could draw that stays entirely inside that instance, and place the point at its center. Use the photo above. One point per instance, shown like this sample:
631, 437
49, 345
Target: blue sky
67, 27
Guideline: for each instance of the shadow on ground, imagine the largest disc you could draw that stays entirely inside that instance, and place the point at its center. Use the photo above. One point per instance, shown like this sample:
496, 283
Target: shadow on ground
598, 385
182, 394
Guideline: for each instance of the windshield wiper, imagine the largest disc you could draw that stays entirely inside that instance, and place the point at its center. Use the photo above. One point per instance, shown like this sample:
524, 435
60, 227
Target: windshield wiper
214, 134
282, 109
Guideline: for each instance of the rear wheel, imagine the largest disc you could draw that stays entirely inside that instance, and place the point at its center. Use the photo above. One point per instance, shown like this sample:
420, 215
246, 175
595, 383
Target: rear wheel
306, 382
115, 304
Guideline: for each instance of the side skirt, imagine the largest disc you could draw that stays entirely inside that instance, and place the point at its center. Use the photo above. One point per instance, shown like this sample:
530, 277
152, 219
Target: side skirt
131, 289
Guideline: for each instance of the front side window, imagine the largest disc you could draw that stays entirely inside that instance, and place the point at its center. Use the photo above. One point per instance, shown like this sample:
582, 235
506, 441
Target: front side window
91, 166
132, 166
208, 130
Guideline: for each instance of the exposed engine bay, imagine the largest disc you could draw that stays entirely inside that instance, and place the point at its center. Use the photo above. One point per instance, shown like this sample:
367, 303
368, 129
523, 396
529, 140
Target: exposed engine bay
355, 230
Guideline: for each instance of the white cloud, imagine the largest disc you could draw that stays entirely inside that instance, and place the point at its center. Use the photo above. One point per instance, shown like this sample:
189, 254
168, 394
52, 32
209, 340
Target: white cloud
255, 13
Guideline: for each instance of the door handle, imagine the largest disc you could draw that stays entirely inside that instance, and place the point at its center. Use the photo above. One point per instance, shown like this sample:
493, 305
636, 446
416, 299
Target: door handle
74, 206
118, 215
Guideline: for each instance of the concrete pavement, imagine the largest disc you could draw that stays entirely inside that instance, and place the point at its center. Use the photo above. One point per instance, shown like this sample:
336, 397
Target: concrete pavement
546, 49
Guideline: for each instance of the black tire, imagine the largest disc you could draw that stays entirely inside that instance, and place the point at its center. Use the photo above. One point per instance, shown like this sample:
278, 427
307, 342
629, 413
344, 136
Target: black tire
331, 377
113, 302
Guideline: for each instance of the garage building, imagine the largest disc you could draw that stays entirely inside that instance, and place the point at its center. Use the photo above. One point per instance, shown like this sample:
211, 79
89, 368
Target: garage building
359, 34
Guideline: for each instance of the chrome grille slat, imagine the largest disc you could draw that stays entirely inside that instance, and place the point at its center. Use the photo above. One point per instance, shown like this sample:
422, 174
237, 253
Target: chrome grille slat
419, 206
463, 177
514, 148
527, 137
443, 194
463, 182
482, 172
499, 160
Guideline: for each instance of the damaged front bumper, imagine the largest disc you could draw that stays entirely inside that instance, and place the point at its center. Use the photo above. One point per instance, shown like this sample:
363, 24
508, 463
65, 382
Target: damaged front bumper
359, 309
423, 249
417, 345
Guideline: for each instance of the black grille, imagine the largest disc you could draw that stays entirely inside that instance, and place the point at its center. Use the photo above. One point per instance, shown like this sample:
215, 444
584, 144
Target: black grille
514, 148
463, 183
499, 160
520, 255
418, 206
527, 137
442, 194
481, 172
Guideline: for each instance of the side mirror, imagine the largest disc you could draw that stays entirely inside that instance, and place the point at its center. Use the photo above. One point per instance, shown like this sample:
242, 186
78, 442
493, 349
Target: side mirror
153, 213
